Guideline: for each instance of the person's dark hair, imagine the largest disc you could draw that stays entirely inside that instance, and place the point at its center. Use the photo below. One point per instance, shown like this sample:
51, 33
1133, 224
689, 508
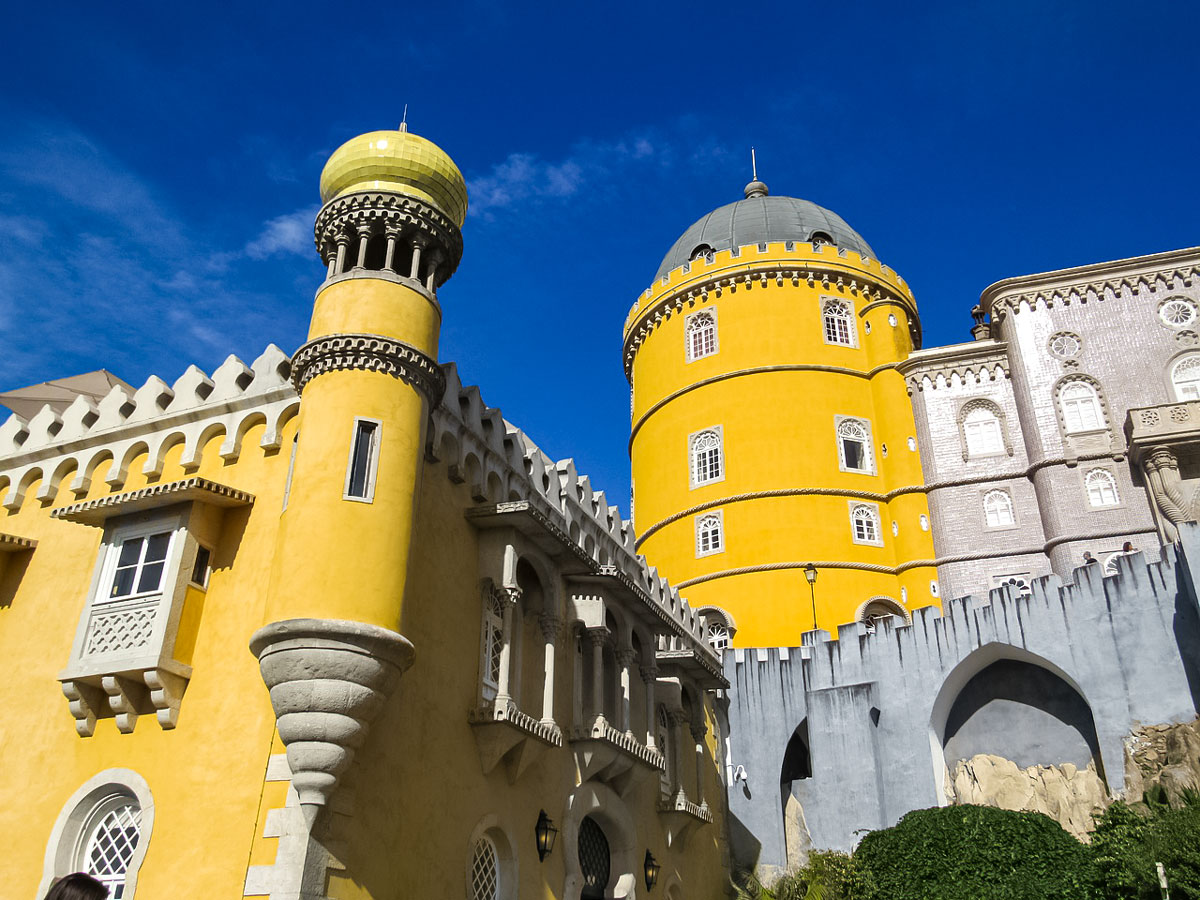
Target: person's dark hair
77, 887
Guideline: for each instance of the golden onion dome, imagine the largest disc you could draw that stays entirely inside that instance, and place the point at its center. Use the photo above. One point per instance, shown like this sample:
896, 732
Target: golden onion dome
397, 161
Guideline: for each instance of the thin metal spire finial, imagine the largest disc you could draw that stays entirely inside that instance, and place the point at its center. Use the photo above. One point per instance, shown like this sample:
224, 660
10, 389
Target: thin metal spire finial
404, 120
753, 165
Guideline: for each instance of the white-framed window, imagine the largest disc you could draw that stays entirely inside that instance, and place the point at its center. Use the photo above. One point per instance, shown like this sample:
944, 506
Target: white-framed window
1185, 378
707, 456
491, 643
1080, 408
1178, 312
364, 460
924, 520
837, 318
718, 635
1101, 488
104, 831
998, 509
983, 432
710, 533
854, 445
663, 736
136, 565
485, 870
700, 334
1065, 345
864, 524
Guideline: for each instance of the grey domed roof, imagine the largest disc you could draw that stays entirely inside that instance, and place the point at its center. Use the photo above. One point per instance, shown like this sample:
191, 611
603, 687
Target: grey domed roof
762, 218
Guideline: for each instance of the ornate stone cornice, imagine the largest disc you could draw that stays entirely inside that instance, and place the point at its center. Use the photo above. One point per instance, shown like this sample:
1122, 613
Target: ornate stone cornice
1098, 282
979, 359
96, 512
371, 352
835, 274
382, 211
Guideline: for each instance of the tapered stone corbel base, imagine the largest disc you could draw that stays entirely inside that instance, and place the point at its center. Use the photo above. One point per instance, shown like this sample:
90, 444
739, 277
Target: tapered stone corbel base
328, 680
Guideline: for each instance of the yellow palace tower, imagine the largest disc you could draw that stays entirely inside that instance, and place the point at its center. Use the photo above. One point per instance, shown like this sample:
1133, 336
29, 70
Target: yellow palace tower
775, 467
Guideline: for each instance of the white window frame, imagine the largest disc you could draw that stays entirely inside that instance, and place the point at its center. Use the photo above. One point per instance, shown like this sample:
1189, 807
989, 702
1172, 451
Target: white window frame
491, 634
710, 523
830, 318
113, 549
72, 829
1186, 389
999, 502
488, 846
691, 329
489, 828
1093, 478
984, 433
1078, 409
719, 431
663, 734
845, 424
1024, 582
872, 509
376, 443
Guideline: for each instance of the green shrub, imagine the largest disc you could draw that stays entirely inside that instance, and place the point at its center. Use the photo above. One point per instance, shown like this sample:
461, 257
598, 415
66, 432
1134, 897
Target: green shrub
972, 853
1128, 841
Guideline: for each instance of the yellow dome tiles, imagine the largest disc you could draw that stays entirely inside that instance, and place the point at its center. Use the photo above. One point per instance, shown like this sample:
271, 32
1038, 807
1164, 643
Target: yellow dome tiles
397, 161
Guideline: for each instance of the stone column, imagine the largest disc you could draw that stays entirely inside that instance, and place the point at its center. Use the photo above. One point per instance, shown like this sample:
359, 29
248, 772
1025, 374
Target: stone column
389, 261
598, 637
431, 270
649, 676
333, 257
364, 238
698, 730
343, 242
550, 626
1162, 474
677, 722
625, 657
416, 260
509, 597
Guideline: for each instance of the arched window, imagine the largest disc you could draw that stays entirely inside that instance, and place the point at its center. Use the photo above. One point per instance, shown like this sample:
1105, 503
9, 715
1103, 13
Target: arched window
702, 251
1101, 488
1019, 583
663, 737
594, 859
492, 643
983, 432
865, 522
707, 458
998, 509
879, 609
1080, 407
1185, 378
820, 238
485, 870
854, 446
110, 836
718, 635
710, 537
838, 318
701, 335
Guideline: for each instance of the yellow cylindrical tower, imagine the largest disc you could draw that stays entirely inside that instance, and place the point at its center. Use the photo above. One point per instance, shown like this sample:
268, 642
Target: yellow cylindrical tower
770, 428
333, 646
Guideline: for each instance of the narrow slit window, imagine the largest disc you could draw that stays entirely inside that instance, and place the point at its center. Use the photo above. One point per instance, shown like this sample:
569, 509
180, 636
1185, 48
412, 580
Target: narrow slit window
202, 566
364, 458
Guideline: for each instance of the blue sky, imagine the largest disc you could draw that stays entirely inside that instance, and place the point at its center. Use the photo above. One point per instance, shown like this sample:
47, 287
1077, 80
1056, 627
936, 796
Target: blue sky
159, 165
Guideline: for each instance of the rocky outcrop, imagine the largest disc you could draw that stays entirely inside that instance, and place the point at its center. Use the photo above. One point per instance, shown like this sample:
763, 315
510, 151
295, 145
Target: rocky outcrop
1165, 757
1065, 793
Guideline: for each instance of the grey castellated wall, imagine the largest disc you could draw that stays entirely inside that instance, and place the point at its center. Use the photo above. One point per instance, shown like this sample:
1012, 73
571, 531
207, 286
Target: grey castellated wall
876, 704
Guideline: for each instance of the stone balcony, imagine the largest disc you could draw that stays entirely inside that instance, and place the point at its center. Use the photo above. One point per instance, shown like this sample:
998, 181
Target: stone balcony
1169, 424
612, 756
505, 734
680, 815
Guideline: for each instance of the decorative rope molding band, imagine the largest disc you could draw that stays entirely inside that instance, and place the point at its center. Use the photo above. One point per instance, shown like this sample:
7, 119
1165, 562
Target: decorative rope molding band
11, 543
1095, 536
96, 512
373, 353
755, 370
913, 563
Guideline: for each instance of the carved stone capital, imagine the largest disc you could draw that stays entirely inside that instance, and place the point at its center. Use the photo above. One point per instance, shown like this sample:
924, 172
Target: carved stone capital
649, 673
373, 353
1160, 458
625, 657
598, 636
551, 626
328, 680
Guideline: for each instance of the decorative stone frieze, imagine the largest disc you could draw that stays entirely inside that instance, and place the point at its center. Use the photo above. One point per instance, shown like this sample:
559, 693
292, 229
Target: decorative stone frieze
96, 512
328, 680
369, 352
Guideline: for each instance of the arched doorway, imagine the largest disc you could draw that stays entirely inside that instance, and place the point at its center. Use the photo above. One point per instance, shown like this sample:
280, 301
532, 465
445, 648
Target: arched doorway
594, 859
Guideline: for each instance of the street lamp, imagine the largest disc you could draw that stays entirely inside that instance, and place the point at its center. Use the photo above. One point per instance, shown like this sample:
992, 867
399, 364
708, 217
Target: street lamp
651, 870
545, 833
810, 573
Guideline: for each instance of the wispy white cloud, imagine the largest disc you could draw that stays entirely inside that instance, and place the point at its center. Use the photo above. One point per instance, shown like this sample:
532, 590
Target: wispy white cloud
289, 233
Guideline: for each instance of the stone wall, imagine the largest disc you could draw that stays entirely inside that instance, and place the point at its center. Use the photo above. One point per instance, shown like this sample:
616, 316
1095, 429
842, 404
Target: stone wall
876, 705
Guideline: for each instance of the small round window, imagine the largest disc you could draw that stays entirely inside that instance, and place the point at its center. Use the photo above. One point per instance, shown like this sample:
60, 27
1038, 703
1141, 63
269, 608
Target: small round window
1065, 345
1178, 312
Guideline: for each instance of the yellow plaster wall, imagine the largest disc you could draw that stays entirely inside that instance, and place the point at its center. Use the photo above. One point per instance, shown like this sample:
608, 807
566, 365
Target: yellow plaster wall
775, 388
206, 775
377, 306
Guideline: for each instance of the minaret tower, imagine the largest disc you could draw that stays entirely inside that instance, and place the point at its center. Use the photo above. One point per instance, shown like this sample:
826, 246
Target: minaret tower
332, 647
770, 426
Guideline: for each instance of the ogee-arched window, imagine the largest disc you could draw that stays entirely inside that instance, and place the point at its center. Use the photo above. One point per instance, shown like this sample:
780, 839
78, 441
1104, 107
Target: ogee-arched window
1185, 378
998, 509
838, 319
1101, 488
701, 335
1080, 407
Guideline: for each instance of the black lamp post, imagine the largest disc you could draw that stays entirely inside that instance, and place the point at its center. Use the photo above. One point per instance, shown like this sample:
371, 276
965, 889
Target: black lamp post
652, 867
546, 833
810, 573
